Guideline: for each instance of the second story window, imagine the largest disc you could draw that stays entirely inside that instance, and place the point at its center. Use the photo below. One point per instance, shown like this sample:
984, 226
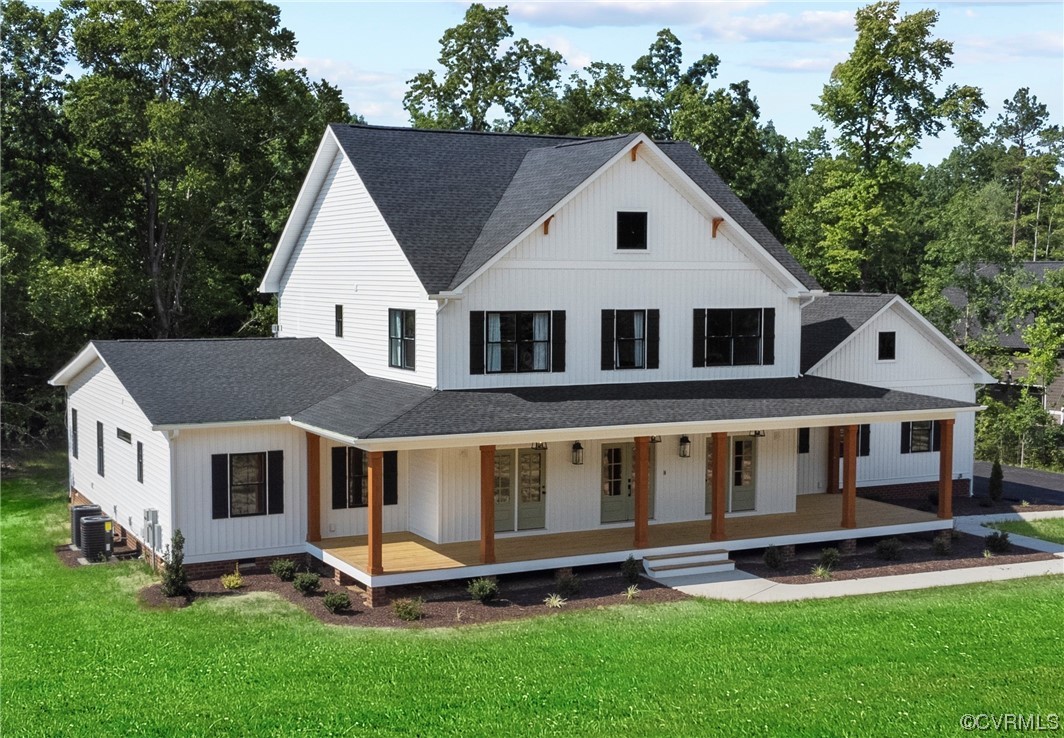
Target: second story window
734, 337
516, 341
401, 325
631, 231
887, 345
630, 339
339, 318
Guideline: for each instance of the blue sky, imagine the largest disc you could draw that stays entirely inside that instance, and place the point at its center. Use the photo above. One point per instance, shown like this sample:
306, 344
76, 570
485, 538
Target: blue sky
785, 49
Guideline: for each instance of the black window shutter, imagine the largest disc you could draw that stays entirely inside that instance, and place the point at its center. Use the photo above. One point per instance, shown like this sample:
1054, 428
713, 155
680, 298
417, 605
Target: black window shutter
906, 440
608, 324
936, 436
557, 341
391, 477
219, 486
274, 482
768, 336
803, 440
866, 433
476, 341
698, 339
653, 331
339, 477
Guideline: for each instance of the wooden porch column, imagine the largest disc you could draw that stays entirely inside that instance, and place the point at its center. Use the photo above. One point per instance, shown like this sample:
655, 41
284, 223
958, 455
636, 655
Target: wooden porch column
849, 477
375, 462
833, 460
487, 504
720, 480
642, 491
313, 487
945, 469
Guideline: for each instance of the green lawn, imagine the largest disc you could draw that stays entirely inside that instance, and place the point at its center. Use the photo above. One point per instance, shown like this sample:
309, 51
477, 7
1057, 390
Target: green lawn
1051, 529
80, 658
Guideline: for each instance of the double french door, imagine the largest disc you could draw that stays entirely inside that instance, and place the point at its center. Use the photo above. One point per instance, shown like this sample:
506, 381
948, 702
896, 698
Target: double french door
741, 468
520, 490
618, 477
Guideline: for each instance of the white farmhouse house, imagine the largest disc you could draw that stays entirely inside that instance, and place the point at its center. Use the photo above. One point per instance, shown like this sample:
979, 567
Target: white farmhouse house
500, 353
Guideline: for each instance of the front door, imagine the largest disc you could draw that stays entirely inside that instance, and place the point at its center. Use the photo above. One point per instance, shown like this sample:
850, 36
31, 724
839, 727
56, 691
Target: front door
741, 474
618, 482
520, 490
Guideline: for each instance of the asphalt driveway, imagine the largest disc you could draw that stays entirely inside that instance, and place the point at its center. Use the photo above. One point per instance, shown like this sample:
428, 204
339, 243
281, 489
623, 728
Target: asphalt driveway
1037, 487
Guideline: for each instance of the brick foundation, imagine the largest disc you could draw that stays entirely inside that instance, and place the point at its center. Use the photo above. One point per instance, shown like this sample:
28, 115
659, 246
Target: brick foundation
787, 552
913, 490
258, 565
848, 546
376, 596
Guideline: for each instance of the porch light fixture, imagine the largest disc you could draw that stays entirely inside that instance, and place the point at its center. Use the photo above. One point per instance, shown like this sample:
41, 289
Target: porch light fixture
685, 447
655, 439
759, 434
578, 454
540, 446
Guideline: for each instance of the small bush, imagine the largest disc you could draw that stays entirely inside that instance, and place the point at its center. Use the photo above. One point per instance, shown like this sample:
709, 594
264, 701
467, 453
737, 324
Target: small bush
631, 593
1024, 503
987, 554
283, 569
567, 584
631, 569
483, 590
822, 572
409, 609
773, 557
997, 482
307, 583
234, 580
829, 558
942, 546
336, 601
889, 549
175, 579
555, 601
998, 542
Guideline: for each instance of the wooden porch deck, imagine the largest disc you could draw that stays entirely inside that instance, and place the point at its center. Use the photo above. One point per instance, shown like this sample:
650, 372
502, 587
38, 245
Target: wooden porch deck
819, 513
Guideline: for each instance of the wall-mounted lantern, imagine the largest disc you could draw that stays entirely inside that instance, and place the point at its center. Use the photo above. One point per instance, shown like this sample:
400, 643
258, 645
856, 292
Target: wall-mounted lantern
578, 454
685, 447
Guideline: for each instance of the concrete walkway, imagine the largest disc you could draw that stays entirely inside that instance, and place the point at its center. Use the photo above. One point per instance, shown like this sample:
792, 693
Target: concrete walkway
739, 585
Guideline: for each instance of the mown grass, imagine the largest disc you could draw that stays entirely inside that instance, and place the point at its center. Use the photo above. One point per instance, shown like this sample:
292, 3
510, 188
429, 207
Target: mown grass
81, 658
1050, 529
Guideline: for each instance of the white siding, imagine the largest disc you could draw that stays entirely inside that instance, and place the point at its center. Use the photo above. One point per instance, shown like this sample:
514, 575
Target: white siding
423, 492
346, 255
262, 535
922, 368
813, 466
577, 268
97, 395
355, 521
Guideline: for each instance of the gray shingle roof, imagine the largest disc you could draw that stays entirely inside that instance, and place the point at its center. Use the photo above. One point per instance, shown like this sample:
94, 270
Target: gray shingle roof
228, 379
454, 199
828, 320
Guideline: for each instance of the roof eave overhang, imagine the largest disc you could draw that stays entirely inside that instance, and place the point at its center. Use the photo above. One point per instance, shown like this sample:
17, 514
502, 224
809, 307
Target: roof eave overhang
81, 361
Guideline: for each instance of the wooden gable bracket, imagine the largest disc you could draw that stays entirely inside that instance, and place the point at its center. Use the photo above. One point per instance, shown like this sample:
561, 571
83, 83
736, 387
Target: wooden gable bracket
635, 149
716, 225
546, 225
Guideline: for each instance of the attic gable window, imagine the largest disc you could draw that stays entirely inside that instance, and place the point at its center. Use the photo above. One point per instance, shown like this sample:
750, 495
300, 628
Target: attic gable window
887, 345
734, 337
631, 231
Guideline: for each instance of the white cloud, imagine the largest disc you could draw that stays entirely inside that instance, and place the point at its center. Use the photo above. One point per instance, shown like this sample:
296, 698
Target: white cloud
818, 65
984, 49
375, 95
604, 13
575, 58
810, 26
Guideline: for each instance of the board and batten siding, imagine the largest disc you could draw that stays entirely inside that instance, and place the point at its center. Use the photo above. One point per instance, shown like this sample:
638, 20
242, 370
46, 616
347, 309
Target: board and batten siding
354, 521
98, 395
423, 484
922, 368
813, 466
346, 255
207, 539
573, 500
577, 268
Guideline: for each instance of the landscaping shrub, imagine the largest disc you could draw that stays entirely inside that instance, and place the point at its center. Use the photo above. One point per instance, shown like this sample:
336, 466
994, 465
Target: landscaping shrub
336, 601
175, 578
409, 609
889, 549
632, 592
631, 569
283, 569
234, 580
773, 557
567, 584
822, 572
829, 558
307, 583
483, 590
997, 479
554, 601
998, 542
942, 546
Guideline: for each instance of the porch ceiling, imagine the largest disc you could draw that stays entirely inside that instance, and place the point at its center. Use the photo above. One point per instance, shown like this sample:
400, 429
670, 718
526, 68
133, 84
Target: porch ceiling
818, 513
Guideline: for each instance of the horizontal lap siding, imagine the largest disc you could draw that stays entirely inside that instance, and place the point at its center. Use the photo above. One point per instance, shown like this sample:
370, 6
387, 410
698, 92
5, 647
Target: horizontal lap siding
207, 538
355, 521
98, 395
347, 256
577, 268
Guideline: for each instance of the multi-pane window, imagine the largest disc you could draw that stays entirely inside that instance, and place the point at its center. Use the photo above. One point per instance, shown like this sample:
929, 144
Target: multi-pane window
357, 475
350, 478
247, 484
401, 325
864, 440
338, 319
631, 231
630, 339
887, 345
99, 448
242, 484
920, 436
124, 435
734, 336
140, 462
74, 432
517, 342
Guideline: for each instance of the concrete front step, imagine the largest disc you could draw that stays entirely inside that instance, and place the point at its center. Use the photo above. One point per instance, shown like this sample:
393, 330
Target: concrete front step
705, 561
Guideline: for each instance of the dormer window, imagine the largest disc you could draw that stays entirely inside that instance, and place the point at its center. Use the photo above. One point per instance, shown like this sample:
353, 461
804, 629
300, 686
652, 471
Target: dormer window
887, 345
631, 231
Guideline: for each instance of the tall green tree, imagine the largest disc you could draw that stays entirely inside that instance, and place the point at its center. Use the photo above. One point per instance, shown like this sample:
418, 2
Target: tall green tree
666, 85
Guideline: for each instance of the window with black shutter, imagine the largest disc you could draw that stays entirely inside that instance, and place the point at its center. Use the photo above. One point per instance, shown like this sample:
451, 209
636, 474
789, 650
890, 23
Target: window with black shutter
803, 440
920, 436
630, 339
246, 485
516, 342
864, 443
350, 477
734, 337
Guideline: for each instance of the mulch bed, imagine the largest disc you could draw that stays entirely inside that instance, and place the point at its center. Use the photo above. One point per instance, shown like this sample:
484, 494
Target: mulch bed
916, 556
446, 605
69, 556
971, 505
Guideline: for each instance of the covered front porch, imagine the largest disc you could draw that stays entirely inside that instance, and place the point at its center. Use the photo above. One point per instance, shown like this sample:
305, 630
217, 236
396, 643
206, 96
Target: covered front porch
407, 558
